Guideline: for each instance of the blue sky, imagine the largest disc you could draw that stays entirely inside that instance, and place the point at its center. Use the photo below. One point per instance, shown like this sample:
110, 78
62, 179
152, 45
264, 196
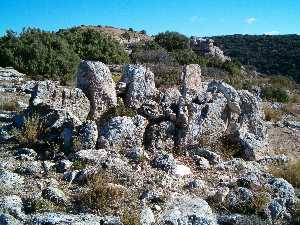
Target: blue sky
191, 17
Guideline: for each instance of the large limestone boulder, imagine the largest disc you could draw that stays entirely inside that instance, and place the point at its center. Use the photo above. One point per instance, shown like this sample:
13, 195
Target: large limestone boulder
187, 210
140, 85
95, 80
123, 132
59, 105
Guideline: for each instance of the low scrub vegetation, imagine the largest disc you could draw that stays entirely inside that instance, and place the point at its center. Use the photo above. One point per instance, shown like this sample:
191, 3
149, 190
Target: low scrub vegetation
50, 55
272, 114
9, 105
30, 133
102, 193
289, 172
275, 94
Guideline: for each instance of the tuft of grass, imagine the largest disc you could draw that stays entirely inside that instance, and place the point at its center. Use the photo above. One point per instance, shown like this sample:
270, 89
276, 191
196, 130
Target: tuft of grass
9, 105
102, 194
272, 114
40, 205
289, 172
30, 134
78, 165
116, 77
130, 217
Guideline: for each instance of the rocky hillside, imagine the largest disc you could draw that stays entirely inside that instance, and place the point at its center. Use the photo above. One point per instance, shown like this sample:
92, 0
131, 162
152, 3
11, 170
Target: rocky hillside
125, 152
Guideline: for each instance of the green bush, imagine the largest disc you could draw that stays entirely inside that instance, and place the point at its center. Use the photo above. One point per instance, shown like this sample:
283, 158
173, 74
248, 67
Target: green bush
187, 56
166, 75
275, 94
172, 41
37, 52
95, 45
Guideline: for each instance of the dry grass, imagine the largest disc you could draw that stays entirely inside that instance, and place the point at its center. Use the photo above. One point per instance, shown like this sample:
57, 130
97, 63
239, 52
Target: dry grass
289, 172
130, 218
292, 108
9, 105
102, 194
30, 134
272, 114
296, 215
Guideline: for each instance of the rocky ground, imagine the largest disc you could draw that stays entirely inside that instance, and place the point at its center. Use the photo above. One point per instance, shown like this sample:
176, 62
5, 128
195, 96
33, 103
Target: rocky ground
128, 153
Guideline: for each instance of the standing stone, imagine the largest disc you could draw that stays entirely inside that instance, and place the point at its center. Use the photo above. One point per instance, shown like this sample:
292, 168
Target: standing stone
191, 81
95, 80
140, 85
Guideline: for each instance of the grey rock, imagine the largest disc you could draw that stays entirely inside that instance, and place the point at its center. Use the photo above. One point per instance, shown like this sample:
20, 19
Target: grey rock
283, 190
123, 132
191, 81
55, 195
26, 153
12, 205
206, 47
151, 110
212, 157
204, 119
240, 200
72, 219
10, 182
88, 135
252, 130
187, 210
248, 181
137, 154
147, 217
6, 219
161, 136
195, 184
64, 165
140, 85
164, 161
59, 104
95, 80
275, 210
31, 168
91, 156
48, 166
202, 163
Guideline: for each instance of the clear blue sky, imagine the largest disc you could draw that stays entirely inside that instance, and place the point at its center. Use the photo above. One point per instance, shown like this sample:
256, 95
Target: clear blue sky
191, 17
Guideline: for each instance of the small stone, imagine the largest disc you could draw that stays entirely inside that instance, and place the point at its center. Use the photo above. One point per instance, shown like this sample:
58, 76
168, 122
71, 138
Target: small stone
182, 170
147, 217
64, 165
55, 195
203, 163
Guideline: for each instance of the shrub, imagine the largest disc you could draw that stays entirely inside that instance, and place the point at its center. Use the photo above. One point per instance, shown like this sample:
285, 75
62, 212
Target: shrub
37, 52
272, 114
153, 57
172, 41
101, 194
282, 82
275, 94
187, 56
29, 135
143, 32
166, 75
95, 45
289, 172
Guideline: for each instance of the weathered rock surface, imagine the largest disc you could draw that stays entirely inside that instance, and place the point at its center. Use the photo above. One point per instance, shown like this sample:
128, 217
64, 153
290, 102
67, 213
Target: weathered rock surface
88, 135
70, 219
10, 182
191, 81
185, 210
60, 105
95, 80
123, 132
140, 85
